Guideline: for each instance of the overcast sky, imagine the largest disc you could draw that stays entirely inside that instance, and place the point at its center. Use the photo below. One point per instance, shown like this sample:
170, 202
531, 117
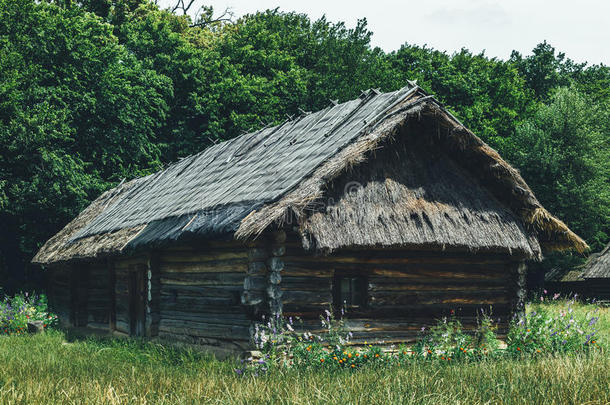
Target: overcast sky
579, 28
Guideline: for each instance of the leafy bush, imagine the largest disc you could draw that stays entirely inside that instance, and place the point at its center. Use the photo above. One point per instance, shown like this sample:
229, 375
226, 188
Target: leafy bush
17, 311
282, 345
543, 331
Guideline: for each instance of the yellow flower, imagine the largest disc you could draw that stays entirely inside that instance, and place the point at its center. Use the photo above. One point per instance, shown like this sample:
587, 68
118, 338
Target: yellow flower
349, 355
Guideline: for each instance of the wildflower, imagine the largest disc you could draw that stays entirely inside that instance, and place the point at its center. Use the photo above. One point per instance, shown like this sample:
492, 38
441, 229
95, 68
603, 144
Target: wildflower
353, 366
322, 360
518, 348
365, 356
376, 354
357, 354
349, 355
335, 358
308, 348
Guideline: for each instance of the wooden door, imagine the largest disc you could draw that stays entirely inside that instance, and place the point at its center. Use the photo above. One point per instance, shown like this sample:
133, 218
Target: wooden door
137, 301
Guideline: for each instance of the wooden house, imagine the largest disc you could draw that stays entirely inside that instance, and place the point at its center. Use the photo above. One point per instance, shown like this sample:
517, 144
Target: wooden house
567, 282
597, 275
385, 205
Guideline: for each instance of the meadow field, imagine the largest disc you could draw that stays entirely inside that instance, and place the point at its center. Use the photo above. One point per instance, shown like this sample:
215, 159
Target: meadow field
57, 368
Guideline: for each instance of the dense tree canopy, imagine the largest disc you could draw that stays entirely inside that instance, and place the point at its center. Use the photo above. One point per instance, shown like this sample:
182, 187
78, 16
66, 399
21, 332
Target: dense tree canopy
95, 91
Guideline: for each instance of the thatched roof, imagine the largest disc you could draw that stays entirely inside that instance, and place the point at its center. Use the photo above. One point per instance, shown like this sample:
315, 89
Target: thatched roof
244, 185
558, 275
414, 193
598, 265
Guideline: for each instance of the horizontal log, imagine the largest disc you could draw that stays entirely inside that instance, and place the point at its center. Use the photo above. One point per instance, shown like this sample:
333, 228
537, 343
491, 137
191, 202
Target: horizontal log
427, 311
307, 297
294, 247
229, 319
306, 283
434, 286
225, 266
203, 279
203, 329
198, 304
380, 299
399, 270
203, 257
301, 271
198, 291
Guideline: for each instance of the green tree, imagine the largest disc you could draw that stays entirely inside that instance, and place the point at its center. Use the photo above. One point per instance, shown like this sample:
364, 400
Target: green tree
77, 113
562, 152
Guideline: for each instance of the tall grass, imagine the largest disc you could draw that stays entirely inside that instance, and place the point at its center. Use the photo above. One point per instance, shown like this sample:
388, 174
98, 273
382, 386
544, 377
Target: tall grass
52, 368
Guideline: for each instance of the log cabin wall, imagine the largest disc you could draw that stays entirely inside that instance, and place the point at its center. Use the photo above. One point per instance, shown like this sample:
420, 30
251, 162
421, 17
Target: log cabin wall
201, 289
59, 292
98, 297
598, 288
405, 289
